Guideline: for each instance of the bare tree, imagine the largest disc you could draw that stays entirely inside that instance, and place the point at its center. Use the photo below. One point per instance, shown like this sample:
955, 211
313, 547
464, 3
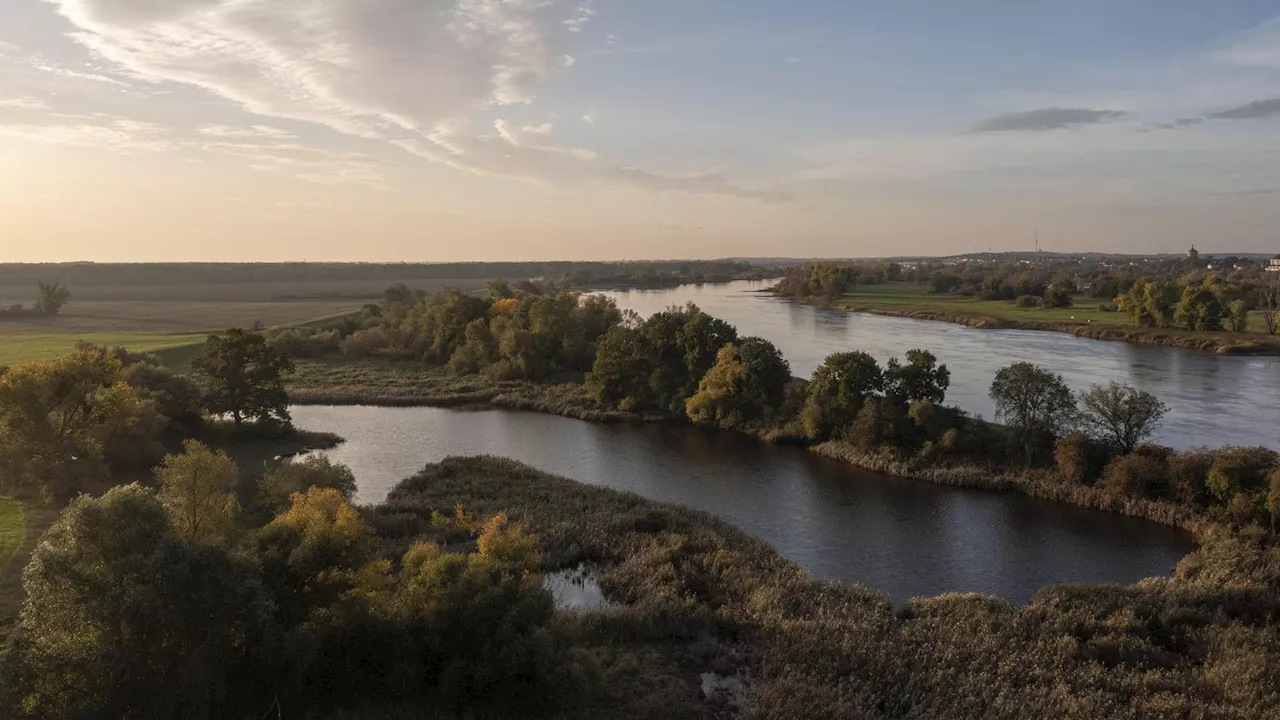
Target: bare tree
1269, 301
1121, 415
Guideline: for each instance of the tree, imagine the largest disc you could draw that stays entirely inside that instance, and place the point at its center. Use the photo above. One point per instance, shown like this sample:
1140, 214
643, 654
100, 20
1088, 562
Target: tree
124, 618
1200, 308
1269, 302
53, 296
838, 389
297, 476
1035, 402
58, 417
747, 381
1057, 296
197, 488
244, 378
1238, 316
619, 377
1121, 415
921, 378
1151, 303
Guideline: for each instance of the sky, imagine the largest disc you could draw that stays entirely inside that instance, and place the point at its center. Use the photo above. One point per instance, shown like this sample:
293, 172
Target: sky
441, 130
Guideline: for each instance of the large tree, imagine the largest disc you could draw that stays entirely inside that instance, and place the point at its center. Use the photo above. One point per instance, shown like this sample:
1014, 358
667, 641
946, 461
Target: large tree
838, 388
125, 619
747, 381
1120, 415
1036, 403
243, 377
64, 422
920, 378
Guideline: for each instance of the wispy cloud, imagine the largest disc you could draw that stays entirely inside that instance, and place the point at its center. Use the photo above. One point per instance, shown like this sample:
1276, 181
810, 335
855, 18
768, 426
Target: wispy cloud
24, 103
415, 73
1252, 111
245, 131
123, 136
1256, 48
1053, 118
8, 49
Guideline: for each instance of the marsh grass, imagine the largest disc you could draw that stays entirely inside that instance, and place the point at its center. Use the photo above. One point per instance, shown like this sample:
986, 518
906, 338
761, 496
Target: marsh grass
695, 592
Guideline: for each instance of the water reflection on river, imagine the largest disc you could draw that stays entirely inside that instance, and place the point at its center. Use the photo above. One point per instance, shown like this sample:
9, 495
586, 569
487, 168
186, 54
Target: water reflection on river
906, 538
1213, 399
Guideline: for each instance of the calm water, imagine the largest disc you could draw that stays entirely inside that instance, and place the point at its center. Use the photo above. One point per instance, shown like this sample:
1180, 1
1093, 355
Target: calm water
906, 538
1213, 399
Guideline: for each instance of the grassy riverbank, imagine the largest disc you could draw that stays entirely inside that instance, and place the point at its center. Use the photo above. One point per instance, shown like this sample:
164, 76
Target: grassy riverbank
1086, 320
392, 383
697, 595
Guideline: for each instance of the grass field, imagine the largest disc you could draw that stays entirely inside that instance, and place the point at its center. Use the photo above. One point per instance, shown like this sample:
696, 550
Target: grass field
175, 330
27, 347
12, 527
910, 297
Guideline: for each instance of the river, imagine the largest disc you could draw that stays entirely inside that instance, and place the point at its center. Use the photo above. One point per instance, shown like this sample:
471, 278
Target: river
904, 537
1213, 399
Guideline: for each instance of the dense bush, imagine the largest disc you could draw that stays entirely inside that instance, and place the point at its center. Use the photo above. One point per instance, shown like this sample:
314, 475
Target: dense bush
1079, 458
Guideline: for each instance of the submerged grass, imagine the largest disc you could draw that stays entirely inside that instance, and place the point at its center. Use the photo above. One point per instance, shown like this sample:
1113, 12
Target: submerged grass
697, 592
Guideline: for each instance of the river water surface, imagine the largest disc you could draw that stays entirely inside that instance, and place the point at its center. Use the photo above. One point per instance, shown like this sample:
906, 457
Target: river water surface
1213, 399
904, 537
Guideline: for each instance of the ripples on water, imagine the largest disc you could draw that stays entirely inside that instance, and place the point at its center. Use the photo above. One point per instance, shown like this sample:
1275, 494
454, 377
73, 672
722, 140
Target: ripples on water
903, 537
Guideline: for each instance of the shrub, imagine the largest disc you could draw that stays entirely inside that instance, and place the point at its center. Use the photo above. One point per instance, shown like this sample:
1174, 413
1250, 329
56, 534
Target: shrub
1239, 470
1028, 301
1080, 460
1138, 474
367, 343
1107, 307
1188, 472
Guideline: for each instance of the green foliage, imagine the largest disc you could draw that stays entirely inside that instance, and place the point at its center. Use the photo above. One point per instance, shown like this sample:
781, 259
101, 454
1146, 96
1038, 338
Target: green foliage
65, 424
619, 378
1238, 316
1121, 415
124, 618
921, 378
53, 296
1200, 308
1058, 296
197, 488
244, 378
1239, 470
746, 383
1151, 303
1035, 402
278, 485
839, 387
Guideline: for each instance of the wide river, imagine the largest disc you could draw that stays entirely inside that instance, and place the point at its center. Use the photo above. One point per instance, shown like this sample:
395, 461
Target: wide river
903, 537
1213, 399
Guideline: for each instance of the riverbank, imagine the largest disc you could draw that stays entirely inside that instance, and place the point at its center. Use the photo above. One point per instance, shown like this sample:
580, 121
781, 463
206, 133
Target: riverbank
690, 594
409, 384
908, 300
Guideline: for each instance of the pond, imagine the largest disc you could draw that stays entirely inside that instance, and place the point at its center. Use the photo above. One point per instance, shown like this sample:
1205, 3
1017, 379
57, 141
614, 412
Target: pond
904, 537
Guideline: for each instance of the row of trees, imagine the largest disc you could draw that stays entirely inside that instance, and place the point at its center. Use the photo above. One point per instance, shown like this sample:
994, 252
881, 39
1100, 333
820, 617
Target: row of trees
177, 603
1209, 305
507, 334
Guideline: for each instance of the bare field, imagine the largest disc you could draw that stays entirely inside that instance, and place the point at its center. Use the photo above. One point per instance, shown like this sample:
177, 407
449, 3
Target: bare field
173, 317
236, 292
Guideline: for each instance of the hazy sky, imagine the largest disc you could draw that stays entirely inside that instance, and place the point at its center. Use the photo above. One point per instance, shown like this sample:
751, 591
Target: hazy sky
531, 129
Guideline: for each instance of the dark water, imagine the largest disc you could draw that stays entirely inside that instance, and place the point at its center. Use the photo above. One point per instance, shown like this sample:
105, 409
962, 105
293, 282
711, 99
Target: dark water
1213, 399
905, 538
